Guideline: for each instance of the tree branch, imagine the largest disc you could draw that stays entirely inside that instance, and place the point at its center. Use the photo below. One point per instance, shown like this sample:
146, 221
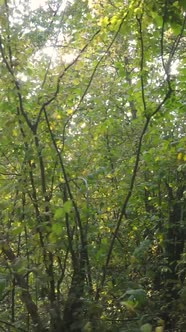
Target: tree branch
129, 194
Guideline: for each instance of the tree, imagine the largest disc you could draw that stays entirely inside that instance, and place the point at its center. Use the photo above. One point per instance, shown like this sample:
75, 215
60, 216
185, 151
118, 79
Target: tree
92, 166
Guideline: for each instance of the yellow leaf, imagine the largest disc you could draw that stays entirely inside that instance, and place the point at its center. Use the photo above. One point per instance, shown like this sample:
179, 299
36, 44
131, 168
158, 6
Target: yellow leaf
104, 21
159, 329
58, 117
114, 19
133, 259
179, 156
69, 112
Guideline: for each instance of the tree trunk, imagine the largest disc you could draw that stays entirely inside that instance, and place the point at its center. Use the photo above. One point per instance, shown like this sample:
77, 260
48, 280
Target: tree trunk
174, 247
72, 318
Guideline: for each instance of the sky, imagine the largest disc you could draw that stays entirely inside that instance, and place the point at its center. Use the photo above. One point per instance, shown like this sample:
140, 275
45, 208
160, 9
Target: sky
36, 3
67, 58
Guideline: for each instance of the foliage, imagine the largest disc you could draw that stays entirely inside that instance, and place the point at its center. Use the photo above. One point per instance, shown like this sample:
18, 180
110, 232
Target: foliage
92, 169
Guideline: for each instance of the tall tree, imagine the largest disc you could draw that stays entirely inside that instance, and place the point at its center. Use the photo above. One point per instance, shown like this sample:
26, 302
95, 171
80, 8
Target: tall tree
92, 166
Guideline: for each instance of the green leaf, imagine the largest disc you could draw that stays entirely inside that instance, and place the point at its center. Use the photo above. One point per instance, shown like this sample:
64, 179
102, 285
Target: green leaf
67, 206
141, 250
59, 213
183, 4
130, 305
146, 327
138, 296
56, 228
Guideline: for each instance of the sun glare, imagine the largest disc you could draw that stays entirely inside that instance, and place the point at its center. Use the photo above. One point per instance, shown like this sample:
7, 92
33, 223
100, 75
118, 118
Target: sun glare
37, 3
